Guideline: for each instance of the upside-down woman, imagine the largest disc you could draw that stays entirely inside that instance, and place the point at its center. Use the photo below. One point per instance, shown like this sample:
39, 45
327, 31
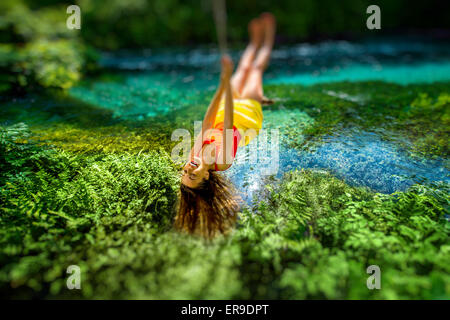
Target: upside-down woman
208, 205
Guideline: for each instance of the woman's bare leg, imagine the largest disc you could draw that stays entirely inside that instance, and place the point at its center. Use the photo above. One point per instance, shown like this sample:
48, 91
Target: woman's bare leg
239, 78
253, 88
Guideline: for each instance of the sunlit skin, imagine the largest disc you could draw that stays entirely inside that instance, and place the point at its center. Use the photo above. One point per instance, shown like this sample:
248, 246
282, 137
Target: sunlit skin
194, 172
245, 83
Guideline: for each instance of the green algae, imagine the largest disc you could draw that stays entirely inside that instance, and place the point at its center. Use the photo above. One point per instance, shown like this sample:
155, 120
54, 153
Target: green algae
414, 116
291, 123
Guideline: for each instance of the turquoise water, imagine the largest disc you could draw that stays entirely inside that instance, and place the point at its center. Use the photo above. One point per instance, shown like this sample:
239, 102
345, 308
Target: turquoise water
146, 94
401, 74
155, 82
400, 61
396, 61
139, 96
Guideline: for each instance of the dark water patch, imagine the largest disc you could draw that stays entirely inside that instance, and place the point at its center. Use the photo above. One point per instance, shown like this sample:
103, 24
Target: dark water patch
53, 107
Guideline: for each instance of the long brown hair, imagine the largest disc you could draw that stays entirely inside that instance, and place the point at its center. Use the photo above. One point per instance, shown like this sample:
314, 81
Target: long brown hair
209, 209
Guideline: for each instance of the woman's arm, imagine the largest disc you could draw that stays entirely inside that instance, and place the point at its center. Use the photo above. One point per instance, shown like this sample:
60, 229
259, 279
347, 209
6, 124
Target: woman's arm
227, 139
227, 144
210, 115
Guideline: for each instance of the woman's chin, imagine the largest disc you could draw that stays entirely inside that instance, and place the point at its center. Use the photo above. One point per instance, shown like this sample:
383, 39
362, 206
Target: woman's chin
197, 161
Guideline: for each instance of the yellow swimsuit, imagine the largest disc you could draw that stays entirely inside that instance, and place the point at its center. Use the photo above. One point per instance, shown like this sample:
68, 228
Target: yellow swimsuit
247, 121
247, 115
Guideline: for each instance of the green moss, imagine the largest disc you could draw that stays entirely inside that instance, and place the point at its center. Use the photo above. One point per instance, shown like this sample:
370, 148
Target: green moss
313, 237
316, 236
53, 201
110, 139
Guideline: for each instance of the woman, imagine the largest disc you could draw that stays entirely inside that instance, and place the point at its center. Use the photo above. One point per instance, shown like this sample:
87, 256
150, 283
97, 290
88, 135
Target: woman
207, 204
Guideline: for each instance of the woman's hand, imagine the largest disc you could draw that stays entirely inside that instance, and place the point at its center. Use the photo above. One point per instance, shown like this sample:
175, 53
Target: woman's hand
227, 67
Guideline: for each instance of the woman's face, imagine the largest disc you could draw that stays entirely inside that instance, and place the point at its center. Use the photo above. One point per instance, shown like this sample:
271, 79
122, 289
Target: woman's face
194, 173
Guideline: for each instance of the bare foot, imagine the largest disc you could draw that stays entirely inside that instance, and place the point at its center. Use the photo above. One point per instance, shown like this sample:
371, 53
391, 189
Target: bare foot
256, 31
269, 23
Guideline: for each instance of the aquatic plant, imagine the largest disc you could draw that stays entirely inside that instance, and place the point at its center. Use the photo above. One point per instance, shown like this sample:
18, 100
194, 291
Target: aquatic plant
313, 237
50, 200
